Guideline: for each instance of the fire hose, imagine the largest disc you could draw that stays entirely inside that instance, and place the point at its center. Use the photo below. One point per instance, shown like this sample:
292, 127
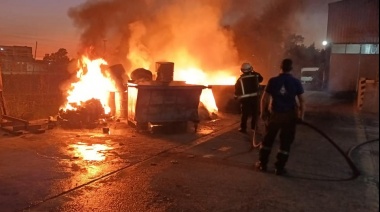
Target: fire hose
349, 152
347, 156
355, 170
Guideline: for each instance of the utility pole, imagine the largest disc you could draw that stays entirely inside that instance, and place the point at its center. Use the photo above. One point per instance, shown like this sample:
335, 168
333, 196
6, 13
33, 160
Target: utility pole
35, 55
35, 51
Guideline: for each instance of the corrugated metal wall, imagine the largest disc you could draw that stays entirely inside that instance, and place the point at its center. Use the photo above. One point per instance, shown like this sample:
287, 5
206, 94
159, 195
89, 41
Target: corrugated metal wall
353, 21
346, 69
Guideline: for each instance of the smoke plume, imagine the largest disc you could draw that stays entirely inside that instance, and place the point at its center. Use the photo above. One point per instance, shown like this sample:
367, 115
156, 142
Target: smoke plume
214, 34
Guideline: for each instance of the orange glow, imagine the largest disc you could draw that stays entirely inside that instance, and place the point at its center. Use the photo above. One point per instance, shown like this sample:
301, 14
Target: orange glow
195, 36
94, 152
92, 83
205, 56
187, 68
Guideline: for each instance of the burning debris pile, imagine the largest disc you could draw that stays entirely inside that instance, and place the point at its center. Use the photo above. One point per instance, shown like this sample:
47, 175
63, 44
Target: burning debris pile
91, 97
219, 35
90, 114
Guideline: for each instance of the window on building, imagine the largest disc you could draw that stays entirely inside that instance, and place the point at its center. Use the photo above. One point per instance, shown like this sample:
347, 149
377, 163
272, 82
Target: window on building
338, 49
369, 49
353, 49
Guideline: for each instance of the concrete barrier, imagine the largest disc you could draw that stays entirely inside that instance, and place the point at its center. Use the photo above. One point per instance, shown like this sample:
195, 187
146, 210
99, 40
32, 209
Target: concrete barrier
361, 91
368, 96
371, 97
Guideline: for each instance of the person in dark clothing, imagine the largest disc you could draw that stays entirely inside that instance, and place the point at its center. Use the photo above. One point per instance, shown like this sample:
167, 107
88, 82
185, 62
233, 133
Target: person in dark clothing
282, 104
247, 92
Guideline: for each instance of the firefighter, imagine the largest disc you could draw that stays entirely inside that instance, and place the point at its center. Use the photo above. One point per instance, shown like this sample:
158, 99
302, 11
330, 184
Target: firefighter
279, 108
247, 92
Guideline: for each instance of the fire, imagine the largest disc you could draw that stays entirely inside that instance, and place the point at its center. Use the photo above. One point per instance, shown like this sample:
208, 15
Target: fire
91, 84
193, 75
189, 58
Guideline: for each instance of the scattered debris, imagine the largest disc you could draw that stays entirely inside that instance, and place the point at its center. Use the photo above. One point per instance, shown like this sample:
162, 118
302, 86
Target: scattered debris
17, 126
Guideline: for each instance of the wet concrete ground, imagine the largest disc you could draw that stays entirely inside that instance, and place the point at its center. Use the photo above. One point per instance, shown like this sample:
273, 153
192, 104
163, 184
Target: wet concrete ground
211, 170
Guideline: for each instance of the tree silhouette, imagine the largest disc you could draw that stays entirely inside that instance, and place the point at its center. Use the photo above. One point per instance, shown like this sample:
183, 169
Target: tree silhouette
302, 56
57, 61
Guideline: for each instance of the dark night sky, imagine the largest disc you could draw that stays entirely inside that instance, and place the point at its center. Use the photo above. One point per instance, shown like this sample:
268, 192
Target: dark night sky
25, 22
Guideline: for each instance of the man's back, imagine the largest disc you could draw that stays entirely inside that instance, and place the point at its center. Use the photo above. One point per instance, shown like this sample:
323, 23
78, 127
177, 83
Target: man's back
283, 90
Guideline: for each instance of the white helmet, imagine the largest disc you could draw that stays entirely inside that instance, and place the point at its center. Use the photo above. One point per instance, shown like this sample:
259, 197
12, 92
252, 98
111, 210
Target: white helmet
246, 68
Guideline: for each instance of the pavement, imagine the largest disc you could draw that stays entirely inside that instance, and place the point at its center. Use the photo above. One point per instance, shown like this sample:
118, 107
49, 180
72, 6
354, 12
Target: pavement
210, 170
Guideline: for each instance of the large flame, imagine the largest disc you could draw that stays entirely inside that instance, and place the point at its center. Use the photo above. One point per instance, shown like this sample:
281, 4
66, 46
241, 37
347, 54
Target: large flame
198, 36
187, 68
91, 83
197, 56
194, 75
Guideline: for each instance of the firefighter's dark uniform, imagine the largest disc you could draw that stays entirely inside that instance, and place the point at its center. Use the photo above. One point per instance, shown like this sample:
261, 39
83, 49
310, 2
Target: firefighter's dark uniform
283, 116
247, 92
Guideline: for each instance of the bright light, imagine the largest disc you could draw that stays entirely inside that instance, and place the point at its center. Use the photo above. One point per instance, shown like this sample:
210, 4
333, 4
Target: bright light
324, 42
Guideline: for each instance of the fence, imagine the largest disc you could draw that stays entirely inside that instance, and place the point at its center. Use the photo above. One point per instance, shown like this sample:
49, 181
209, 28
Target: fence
33, 96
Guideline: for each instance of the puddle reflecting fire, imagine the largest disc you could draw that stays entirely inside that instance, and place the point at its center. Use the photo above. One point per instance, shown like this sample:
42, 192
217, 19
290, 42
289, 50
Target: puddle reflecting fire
92, 152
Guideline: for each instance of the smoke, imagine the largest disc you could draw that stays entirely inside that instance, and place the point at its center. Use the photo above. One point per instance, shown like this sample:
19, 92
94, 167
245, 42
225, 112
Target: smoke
211, 34
261, 33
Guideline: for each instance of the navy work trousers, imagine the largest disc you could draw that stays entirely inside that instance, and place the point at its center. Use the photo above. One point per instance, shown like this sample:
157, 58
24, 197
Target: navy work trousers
249, 108
285, 123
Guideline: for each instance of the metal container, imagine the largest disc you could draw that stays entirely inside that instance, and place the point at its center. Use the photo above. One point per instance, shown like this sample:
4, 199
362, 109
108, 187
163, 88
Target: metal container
164, 71
123, 109
154, 103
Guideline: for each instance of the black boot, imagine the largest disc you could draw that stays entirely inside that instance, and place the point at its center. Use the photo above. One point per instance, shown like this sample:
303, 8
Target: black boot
281, 171
282, 158
264, 153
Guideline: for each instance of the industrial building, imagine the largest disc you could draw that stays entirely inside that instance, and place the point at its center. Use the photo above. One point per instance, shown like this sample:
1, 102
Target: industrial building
19, 60
353, 36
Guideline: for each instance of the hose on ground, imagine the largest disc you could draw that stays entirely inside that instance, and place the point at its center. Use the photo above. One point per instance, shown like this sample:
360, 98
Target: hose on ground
355, 170
349, 152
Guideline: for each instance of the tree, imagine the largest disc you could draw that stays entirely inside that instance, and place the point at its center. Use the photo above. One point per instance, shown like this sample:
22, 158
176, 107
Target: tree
57, 61
302, 56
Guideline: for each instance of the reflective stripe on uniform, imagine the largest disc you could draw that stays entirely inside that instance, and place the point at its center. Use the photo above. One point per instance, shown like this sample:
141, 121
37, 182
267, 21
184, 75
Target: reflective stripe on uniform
242, 86
244, 95
247, 95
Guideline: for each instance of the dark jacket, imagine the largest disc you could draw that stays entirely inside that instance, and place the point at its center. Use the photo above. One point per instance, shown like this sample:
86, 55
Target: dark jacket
247, 85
